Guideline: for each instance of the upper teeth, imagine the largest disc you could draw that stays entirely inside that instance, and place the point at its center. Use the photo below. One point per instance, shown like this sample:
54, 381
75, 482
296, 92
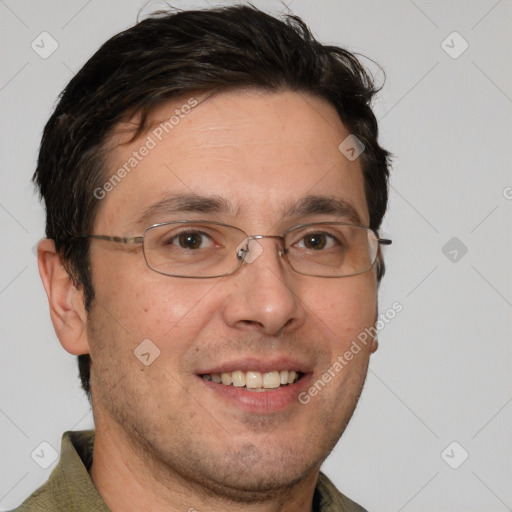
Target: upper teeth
254, 380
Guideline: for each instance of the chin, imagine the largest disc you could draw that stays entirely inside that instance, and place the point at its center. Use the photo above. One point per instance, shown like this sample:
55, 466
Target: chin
260, 485
251, 474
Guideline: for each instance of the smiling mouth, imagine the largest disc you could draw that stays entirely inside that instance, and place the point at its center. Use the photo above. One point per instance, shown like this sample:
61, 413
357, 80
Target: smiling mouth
255, 381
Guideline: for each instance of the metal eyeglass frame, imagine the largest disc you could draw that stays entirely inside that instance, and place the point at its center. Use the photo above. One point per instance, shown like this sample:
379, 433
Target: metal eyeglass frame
135, 240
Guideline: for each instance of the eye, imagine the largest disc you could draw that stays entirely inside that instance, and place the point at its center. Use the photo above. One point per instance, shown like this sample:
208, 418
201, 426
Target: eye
191, 240
317, 241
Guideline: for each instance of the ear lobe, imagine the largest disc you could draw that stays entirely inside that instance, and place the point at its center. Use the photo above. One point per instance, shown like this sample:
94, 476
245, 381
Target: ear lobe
374, 345
67, 309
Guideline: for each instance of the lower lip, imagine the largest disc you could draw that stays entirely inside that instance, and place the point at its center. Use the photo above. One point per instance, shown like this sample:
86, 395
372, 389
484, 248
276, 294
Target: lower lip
260, 402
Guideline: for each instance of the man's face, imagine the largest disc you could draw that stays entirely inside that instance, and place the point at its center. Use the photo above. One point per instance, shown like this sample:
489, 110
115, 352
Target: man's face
261, 153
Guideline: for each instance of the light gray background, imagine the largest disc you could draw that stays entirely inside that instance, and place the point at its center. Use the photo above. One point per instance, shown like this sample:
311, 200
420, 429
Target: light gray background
443, 369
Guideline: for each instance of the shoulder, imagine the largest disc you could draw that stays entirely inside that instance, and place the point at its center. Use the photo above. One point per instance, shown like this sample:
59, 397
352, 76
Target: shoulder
332, 500
40, 500
69, 487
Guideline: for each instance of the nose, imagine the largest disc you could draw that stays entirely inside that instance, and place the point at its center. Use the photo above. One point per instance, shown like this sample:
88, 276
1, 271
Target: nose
264, 294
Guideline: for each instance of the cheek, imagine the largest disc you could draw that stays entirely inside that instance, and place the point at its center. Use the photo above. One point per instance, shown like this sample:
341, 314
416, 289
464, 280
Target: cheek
171, 318
145, 304
345, 306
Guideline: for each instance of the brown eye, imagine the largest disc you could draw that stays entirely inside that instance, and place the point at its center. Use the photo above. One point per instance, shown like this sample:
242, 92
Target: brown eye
316, 241
191, 240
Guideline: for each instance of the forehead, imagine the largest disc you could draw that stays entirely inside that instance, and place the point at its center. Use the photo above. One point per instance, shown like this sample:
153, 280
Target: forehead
256, 153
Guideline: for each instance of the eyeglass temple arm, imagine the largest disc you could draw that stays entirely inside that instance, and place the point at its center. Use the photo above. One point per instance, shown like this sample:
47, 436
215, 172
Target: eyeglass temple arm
384, 241
130, 240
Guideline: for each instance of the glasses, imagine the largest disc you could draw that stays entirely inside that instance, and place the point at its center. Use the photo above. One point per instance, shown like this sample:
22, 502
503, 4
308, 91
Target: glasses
206, 249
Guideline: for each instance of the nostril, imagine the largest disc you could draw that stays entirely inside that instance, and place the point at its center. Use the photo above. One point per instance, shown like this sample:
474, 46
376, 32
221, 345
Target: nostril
252, 323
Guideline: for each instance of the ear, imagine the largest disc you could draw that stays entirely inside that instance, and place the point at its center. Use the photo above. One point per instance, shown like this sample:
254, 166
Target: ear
374, 345
67, 309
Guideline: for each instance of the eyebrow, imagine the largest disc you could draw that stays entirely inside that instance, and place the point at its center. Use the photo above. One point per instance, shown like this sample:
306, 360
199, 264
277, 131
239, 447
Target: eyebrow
324, 205
194, 203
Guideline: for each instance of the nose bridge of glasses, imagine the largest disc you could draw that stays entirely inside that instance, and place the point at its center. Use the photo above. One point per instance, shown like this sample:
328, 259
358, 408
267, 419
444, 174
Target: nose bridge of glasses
249, 249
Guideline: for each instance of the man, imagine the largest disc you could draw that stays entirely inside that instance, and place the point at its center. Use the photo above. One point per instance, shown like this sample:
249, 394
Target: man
213, 186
